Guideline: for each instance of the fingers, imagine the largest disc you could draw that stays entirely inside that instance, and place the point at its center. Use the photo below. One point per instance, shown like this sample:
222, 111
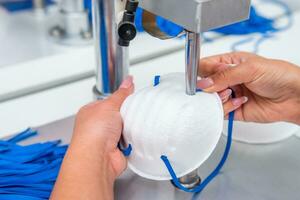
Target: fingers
225, 95
116, 99
234, 104
213, 64
228, 77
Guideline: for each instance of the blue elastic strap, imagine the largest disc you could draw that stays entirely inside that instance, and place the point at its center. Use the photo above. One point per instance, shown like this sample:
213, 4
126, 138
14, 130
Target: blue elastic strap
127, 151
156, 80
214, 173
29, 171
22, 136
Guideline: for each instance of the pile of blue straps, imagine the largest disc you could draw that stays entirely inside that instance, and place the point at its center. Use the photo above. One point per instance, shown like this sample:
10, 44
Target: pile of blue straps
29, 172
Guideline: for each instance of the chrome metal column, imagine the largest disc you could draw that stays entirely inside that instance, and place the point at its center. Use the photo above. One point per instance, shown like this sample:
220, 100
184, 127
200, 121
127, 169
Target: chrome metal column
192, 61
193, 41
111, 59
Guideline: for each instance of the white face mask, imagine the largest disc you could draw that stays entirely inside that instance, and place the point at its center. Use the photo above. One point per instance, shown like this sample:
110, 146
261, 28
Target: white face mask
162, 120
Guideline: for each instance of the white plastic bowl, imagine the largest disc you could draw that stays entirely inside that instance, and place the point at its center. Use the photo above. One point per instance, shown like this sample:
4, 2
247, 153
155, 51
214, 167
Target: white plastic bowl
298, 133
255, 133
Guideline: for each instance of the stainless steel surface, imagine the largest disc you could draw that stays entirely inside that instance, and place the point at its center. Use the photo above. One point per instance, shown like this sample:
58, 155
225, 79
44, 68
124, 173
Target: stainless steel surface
190, 180
199, 14
112, 59
122, 65
252, 172
193, 41
191, 72
151, 27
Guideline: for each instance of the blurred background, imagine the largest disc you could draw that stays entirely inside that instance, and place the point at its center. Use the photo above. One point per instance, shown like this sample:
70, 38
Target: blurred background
47, 59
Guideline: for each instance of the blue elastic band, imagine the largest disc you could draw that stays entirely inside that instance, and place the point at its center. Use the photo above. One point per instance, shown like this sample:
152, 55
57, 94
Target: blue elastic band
156, 80
214, 173
29, 171
127, 151
22, 136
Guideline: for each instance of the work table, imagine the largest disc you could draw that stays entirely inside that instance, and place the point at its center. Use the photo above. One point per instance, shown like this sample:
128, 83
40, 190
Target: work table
252, 172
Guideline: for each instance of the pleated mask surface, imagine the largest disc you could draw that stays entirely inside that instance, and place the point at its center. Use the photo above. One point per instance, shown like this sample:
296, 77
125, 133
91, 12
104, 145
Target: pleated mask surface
162, 120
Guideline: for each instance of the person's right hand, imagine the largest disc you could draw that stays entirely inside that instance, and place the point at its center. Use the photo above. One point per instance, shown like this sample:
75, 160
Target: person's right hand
266, 90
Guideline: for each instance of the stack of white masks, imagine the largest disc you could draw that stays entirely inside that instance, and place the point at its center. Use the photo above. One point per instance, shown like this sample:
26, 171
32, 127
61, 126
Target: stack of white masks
163, 120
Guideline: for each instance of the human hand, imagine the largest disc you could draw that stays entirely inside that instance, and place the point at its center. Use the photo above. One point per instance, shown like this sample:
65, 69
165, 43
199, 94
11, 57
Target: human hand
266, 90
93, 161
102, 121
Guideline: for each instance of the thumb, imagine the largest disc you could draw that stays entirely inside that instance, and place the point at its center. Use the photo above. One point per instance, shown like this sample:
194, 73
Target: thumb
126, 88
228, 77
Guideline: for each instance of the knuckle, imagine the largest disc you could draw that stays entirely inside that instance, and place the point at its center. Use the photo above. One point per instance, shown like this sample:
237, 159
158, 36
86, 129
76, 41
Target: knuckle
83, 109
223, 75
254, 67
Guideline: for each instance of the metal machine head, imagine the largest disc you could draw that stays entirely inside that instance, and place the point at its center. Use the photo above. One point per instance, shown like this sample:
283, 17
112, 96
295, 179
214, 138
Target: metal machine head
199, 15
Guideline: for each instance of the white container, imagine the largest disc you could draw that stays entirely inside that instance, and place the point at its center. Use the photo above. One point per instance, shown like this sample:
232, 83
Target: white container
256, 133
293, 4
298, 133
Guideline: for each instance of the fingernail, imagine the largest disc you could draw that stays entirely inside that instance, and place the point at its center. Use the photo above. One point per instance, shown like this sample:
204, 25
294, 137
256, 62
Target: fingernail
225, 100
225, 94
205, 83
239, 101
127, 83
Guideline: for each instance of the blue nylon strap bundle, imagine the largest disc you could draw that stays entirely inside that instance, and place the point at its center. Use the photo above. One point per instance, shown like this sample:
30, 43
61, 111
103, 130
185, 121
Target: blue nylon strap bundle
28, 172
156, 80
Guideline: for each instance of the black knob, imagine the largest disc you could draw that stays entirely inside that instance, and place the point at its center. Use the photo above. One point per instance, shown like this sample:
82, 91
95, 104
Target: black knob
126, 29
127, 32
